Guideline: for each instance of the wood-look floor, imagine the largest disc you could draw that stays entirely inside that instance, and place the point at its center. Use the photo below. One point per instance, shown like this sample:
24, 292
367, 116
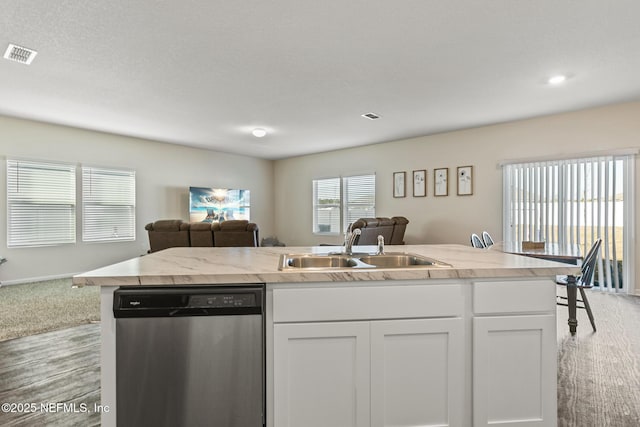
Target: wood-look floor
598, 373
59, 367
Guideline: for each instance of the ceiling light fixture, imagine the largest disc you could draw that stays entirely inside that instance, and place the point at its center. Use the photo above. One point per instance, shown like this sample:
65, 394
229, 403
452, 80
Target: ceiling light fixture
259, 132
556, 80
20, 54
371, 116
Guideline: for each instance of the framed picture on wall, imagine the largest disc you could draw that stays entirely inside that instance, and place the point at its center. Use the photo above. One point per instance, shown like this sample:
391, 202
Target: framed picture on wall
399, 184
441, 182
420, 183
465, 180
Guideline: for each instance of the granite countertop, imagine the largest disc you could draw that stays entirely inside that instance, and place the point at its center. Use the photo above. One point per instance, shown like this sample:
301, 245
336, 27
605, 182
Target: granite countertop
185, 266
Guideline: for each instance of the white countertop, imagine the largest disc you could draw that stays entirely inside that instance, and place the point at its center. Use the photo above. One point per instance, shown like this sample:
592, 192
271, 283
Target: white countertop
189, 266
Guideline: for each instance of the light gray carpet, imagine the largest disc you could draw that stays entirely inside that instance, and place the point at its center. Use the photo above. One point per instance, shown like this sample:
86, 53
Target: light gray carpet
599, 373
33, 308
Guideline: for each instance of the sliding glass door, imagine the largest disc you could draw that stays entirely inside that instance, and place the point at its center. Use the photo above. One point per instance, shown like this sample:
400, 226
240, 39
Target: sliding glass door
574, 202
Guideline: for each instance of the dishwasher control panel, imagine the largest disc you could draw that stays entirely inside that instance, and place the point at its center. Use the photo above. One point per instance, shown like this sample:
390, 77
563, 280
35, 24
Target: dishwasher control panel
222, 300
200, 300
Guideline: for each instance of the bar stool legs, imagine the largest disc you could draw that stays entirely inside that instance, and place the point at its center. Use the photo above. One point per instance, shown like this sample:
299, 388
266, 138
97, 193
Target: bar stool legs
571, 304
587, 307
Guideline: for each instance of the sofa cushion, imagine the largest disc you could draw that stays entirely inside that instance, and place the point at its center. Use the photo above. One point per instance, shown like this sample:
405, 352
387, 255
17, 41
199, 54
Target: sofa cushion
200, 226
234, 225
168, 225
201, 234
167, 233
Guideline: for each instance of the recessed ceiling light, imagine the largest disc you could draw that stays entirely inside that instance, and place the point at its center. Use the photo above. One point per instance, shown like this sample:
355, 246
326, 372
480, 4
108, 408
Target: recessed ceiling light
259, 132
20, 54
556, 80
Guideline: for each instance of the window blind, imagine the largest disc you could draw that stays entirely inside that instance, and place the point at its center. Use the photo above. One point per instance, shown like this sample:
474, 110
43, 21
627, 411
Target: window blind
359, 198
41, 207
108, 204
337, 202
326, 205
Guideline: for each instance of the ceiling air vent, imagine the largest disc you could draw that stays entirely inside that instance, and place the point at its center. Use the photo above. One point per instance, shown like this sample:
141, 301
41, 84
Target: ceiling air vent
371, 116
20, 54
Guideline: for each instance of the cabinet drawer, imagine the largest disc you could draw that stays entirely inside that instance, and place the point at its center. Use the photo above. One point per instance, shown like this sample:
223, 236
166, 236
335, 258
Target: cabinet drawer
514, 297
363, 303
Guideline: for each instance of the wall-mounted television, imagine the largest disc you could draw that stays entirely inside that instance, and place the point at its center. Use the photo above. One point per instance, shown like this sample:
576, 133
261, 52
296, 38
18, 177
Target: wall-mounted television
218, 204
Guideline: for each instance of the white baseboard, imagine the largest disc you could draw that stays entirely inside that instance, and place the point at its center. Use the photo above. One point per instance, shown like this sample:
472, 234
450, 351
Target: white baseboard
36, 279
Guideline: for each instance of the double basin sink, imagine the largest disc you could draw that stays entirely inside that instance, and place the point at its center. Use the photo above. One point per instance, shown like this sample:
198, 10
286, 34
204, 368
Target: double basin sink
357, 260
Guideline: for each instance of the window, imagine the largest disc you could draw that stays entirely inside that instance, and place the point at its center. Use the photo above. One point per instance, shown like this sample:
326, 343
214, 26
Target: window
108, 205
340, 201
359, 198
41, 207
326, 205
574, 202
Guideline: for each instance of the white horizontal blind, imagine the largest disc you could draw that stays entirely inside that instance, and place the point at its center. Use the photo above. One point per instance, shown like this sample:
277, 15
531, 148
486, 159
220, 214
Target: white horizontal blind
573, 202
108, 204
41, 203
359, 198
337, 202
326, 205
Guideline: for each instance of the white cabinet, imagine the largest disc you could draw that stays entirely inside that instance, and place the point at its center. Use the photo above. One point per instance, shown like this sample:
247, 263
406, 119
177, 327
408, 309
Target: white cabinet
417, 372
377, 373
413, 354
514, 371
321, 374
514, 354
368, 355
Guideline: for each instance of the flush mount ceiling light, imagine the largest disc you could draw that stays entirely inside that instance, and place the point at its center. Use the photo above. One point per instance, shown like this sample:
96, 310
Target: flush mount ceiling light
259, 132
371, 116
20, 54
556, 80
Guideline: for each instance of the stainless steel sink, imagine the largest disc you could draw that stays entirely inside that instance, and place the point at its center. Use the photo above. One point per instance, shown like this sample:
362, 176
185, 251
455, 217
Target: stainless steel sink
314, 261
400, 260
337, 261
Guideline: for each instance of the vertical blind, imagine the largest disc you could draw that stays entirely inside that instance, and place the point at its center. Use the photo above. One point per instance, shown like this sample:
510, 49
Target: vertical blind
41, 203
108, 204
338, 202
573, 202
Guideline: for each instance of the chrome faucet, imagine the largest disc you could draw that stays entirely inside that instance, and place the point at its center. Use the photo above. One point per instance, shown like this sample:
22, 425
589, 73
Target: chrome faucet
347, 234
349, 239
380, 245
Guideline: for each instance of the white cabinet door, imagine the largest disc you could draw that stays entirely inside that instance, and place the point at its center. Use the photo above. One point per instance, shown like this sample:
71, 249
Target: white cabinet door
321, 374
514, 371
417, 372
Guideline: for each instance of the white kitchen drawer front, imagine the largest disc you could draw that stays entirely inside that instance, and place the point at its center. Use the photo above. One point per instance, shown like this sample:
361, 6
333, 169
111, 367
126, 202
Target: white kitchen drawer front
375, 302
507, 297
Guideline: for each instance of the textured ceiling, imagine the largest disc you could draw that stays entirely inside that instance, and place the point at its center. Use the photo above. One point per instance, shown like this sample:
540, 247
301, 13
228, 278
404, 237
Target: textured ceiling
204, 73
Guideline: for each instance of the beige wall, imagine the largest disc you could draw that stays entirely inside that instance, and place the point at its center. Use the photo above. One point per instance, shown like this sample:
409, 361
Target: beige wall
164, 173
449, 219
281, 190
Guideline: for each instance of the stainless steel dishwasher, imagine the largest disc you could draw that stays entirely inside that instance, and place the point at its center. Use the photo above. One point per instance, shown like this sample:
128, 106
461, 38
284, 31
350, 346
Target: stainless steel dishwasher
190, 356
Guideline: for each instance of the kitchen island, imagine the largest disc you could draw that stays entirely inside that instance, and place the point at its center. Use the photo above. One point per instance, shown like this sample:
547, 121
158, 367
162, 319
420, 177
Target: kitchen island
471, 344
